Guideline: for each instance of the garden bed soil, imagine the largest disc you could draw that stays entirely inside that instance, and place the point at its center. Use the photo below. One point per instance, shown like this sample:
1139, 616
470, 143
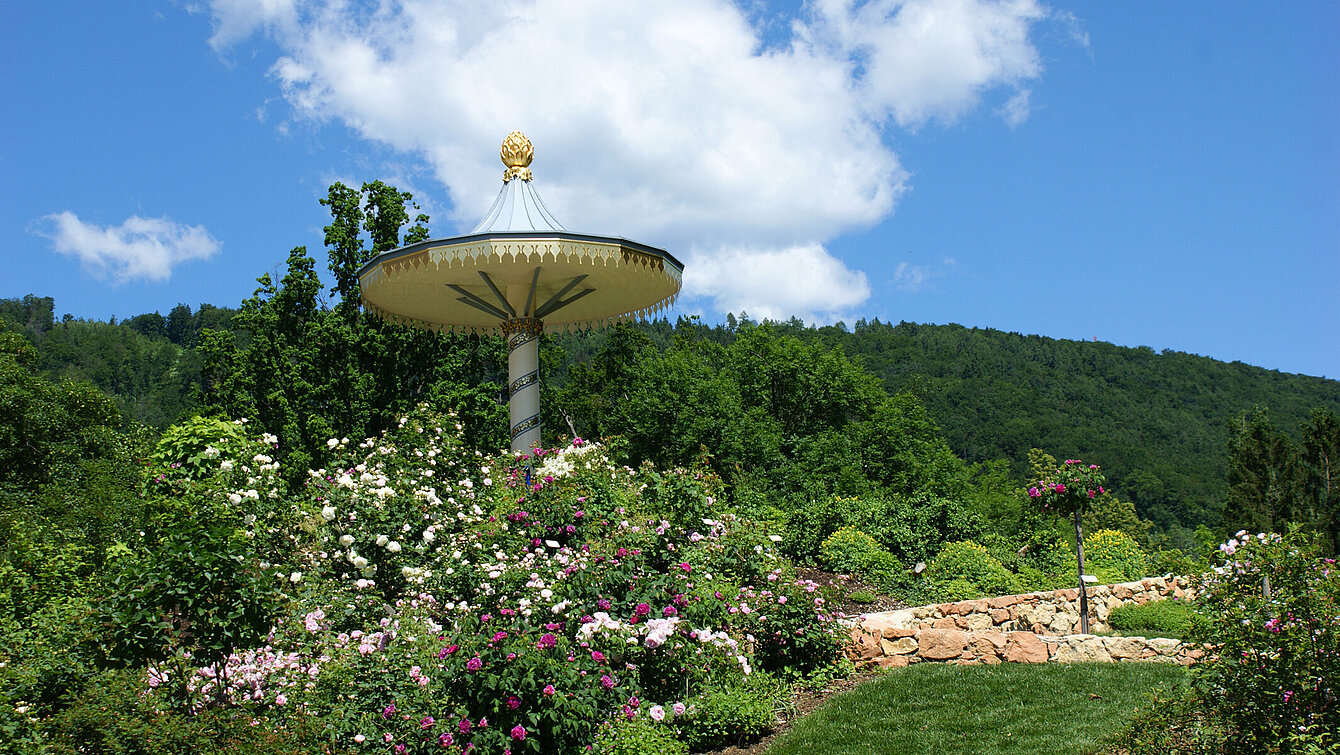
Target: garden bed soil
840, 588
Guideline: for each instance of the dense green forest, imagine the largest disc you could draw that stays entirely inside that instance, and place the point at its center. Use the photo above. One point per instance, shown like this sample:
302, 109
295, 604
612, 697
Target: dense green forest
1160, 423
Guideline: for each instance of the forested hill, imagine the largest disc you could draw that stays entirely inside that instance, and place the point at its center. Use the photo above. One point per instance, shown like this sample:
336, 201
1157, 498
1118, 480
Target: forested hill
1160, 423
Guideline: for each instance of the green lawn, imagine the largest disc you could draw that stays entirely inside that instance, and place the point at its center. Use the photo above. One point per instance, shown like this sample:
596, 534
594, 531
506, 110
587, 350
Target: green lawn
1011, 708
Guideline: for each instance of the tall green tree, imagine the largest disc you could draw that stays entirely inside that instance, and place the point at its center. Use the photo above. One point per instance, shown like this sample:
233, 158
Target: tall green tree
1264, 476
307, 372
1321, 474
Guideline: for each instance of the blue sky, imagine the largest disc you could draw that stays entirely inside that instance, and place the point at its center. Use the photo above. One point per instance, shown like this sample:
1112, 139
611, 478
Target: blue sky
1160, 174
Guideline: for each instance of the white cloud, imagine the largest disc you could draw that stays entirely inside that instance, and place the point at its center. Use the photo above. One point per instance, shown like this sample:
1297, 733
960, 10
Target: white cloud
139, 248
1015, 112
692, 124
909, 277
801, 281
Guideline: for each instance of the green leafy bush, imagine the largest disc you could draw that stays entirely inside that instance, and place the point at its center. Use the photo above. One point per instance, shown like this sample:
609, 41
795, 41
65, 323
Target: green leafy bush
852, 551
912, 529
197, 590
726, 716
1161, 618
635, 737
194, 447
1175, 562
966, 567
848, 550
1117, 553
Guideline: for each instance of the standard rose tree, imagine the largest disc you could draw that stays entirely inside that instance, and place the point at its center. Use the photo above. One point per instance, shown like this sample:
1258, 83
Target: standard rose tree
1069, 490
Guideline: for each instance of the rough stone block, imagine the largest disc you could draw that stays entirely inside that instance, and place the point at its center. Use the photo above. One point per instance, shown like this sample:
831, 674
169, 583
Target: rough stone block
1004, 601
999, 615
1085, 649
899, 646
941, 644
1024, 647
977, 622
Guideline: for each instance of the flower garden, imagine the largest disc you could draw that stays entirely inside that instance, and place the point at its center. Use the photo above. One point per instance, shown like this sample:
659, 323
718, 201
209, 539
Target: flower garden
419, 597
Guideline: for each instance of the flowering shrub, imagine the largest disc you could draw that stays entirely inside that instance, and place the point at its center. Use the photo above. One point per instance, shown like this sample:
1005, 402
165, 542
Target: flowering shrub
1069, 488
443, 601
1115, 555
1272, 608
852, 551
966, 567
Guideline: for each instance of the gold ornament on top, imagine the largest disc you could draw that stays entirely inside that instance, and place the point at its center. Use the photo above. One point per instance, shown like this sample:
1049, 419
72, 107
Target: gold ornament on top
516, 154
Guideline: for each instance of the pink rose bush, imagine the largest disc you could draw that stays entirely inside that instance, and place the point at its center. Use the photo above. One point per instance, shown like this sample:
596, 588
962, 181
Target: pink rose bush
1271, 611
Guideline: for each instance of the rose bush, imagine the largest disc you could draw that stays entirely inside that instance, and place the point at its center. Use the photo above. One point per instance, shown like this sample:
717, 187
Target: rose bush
436, 600
1271, 610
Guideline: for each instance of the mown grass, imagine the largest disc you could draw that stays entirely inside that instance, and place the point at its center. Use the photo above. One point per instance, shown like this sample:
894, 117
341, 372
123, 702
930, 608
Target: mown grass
1057, 709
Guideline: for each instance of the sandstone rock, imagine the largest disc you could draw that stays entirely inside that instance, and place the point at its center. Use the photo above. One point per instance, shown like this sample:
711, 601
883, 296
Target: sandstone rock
990, 660
987, 644
1121, 592
1004, 601
1060, 624
899, 646
1163, 645
892, 661
977, 622
999, 615
1085, 649
892, 633
1024, 647
945, 623
1125, 647
942, 644
863, 646
1040, 616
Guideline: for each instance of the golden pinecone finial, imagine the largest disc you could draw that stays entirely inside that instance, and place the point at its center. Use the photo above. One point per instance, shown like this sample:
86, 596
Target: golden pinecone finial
516, 154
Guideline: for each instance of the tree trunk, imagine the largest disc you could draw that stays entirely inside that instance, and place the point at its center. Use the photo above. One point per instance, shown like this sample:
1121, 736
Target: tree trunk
1083, 587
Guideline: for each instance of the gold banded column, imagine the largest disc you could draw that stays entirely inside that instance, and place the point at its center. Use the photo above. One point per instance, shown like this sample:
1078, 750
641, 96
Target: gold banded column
523, 388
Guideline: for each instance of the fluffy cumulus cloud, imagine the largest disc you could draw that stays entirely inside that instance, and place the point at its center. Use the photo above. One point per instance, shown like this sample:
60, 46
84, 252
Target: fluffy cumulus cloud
138, 249
694, 124
802, 281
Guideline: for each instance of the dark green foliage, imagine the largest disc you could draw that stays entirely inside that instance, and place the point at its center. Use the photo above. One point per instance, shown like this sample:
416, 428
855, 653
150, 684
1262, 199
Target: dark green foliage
725, 717
1158, 422
196, 589
143, 726
1161, 618
636, 737
1274, 481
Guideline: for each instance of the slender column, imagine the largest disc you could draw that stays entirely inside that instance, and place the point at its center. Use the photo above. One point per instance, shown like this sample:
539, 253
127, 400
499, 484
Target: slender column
523, 376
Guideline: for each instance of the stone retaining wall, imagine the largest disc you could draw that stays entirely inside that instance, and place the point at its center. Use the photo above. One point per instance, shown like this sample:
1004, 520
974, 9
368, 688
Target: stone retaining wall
1034, 628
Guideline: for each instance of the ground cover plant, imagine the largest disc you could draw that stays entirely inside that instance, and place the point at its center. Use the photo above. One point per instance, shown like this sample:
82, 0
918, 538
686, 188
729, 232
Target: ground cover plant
1010, 708
418, 597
